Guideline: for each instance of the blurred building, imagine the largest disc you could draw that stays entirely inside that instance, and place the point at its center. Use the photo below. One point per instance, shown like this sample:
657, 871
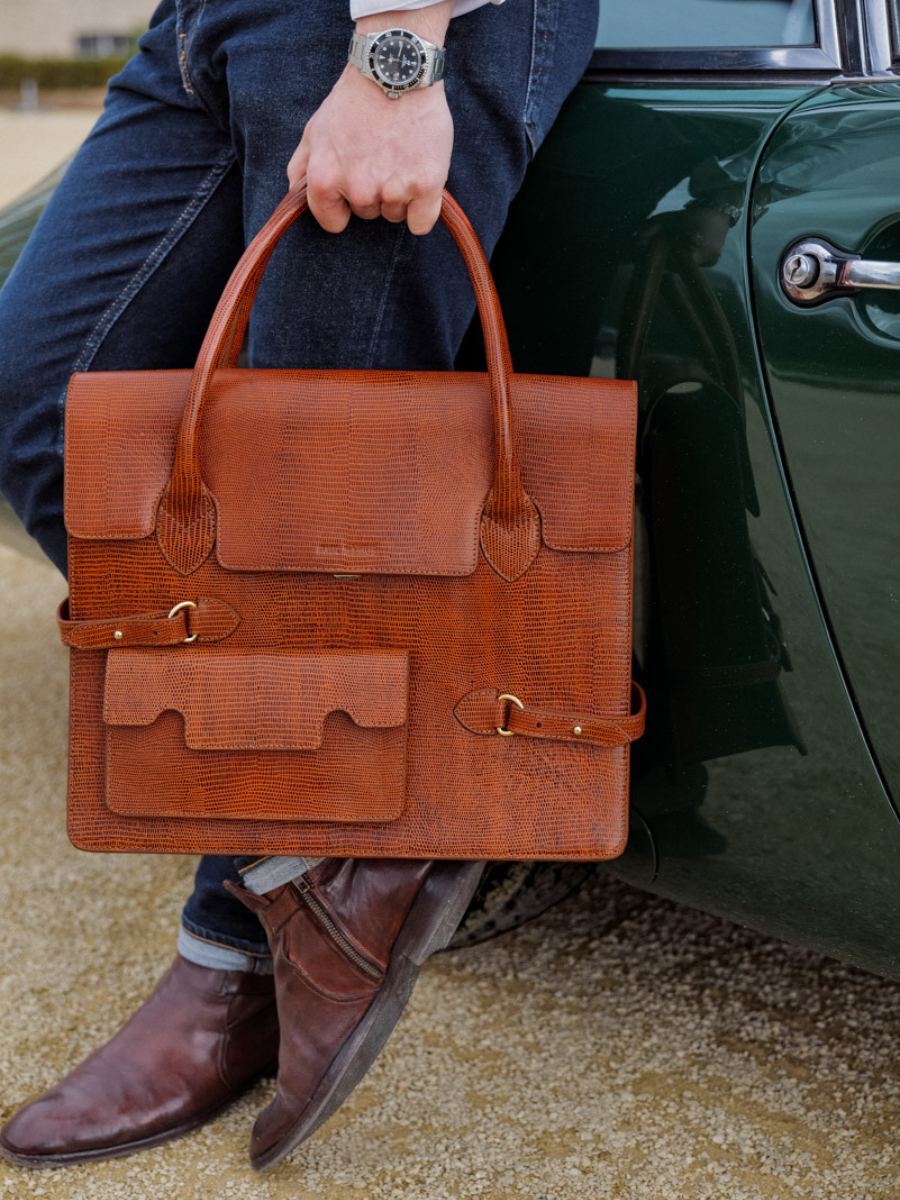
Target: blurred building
71, 28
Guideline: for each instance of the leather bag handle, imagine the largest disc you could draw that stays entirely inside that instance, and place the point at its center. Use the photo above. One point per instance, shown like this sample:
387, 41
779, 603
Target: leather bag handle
186, 517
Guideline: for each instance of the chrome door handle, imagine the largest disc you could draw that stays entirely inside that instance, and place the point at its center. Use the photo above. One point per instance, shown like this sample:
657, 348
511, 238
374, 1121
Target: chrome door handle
813, 270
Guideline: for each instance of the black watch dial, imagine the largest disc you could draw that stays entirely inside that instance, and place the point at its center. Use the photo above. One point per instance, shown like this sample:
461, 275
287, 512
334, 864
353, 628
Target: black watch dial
396, 59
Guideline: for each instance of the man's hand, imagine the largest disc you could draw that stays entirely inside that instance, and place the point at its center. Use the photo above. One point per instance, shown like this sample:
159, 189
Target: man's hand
363, 153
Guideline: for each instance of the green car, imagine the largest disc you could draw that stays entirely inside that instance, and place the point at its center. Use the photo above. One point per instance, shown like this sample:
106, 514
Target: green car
716, 213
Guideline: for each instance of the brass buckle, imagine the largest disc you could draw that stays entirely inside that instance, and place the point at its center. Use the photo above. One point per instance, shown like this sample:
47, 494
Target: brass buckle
513, 700
177, 608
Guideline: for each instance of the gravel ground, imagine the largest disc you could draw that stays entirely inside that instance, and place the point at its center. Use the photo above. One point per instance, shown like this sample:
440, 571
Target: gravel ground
621, 1047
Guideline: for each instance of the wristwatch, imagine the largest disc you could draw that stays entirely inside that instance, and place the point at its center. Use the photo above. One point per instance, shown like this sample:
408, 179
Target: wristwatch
398, 60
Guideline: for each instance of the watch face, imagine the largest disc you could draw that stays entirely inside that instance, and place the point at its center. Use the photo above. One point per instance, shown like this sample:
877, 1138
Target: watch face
397, 59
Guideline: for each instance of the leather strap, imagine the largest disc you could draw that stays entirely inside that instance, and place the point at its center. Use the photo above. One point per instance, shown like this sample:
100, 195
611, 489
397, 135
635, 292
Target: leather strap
211, 621
485, 711
186, 516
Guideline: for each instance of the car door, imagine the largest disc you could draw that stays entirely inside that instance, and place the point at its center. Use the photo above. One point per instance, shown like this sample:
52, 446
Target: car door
828, 186
755, 793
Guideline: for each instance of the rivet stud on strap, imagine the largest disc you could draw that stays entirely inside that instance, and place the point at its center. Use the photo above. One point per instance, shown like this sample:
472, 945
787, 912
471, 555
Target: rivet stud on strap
211, 620
480, 710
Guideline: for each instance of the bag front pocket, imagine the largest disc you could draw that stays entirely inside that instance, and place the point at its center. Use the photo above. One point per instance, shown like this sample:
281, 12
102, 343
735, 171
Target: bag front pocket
202, 732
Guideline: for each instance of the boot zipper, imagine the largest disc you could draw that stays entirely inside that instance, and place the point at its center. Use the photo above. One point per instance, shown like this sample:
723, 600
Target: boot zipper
305, 890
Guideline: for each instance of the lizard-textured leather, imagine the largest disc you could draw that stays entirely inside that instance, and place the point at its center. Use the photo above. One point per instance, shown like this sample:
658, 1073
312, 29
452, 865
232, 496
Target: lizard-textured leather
278, 737
301, 601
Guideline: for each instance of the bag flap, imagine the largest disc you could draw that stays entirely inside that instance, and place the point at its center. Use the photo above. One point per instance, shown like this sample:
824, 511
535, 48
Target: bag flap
239, 701
351, 471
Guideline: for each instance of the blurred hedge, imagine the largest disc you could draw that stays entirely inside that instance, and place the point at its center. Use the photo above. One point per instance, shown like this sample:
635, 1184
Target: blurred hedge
57, 72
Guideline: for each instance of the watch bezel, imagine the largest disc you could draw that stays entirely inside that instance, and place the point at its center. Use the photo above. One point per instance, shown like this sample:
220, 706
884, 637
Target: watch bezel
408, 35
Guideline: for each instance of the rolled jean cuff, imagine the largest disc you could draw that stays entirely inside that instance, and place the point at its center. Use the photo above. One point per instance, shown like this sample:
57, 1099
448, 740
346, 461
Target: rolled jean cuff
265, 874
243, 946
221, 958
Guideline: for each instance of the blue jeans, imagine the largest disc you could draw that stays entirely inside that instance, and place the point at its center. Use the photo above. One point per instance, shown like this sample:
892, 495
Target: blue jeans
186, 162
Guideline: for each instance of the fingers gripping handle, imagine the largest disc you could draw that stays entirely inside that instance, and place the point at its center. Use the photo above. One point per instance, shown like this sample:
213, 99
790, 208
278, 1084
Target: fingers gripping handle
510, 531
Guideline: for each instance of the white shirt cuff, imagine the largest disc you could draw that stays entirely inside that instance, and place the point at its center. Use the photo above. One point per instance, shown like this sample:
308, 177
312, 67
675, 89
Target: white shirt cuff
364, 8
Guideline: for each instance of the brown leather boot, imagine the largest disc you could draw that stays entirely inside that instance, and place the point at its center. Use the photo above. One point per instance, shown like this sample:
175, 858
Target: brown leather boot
348, 940
203, 1037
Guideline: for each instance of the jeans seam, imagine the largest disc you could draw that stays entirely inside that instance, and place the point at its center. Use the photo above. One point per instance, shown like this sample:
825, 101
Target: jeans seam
144, 273
186, 33
526, 107
543, 38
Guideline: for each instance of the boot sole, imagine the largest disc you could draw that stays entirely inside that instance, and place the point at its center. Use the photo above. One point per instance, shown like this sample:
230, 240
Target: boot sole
431, 923
125, 1148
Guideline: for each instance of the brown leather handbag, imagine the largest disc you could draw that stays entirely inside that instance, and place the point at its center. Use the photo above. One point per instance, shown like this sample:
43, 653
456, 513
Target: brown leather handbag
350, 613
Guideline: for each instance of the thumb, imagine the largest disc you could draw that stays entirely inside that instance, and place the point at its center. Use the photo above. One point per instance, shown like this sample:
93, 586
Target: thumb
423, 212
296, 169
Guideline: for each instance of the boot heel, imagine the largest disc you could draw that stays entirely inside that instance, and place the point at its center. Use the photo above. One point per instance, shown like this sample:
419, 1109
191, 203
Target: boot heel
441, 922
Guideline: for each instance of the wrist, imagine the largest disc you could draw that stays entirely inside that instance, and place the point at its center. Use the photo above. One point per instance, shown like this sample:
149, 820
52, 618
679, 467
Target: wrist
430, 22
368, 89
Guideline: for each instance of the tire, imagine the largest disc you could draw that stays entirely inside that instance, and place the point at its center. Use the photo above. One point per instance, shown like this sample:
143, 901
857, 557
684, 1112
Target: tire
512, 893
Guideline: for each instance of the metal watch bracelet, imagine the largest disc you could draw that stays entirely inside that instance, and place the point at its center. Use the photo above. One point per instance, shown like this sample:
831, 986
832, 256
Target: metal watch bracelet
360, 55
